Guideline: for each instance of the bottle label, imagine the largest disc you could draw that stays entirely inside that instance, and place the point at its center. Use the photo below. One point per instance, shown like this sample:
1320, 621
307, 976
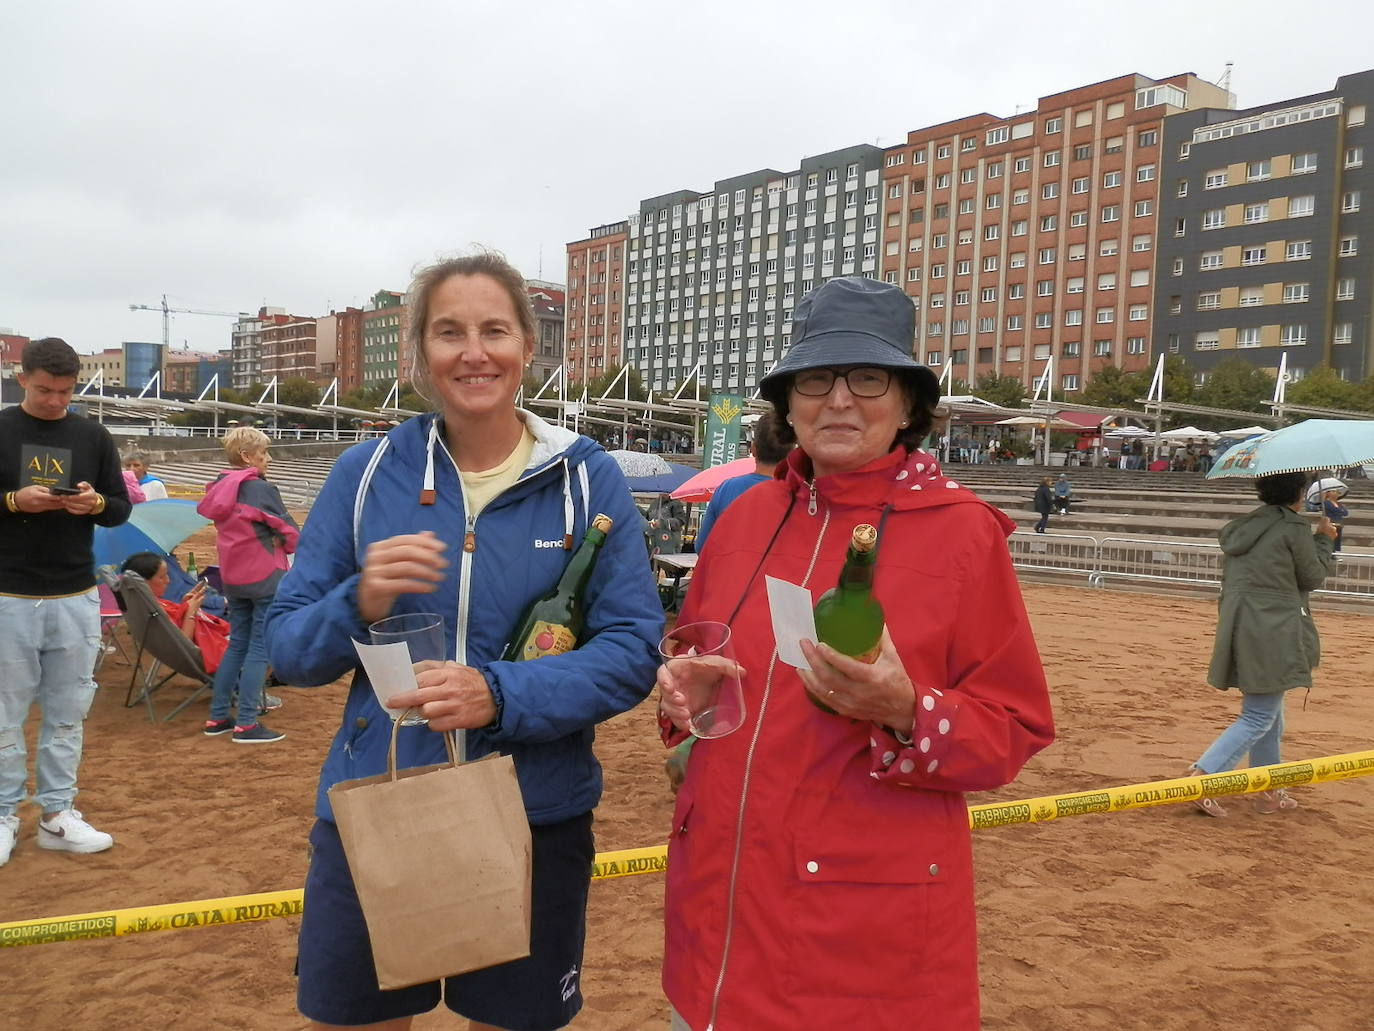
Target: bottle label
547, 639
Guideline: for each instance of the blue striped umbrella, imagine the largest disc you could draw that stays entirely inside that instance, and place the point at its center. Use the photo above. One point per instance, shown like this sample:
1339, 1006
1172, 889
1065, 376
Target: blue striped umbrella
157, 526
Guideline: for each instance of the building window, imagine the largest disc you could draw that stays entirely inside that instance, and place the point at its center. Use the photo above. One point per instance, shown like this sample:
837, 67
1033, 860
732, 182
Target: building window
1350, 201
994, 170
1017, 260
966, 206
1072, 349
1208, 300
1073, 317
1258, 212
1077, 219
1258, 171
1047, 255
1178, 266
1298, 250
1020, 197
1299, 207
1343, 333
1051, 158
1102, 348
1293, 335
1251, 295
1345, 289
1106, 281
968, 143
1044, 288
1070, 381
1215, 179
1135, 345
1304, 163
992, 232
1111, 179
1053, 125
999, 135
1080, 185
1253, 255
1074, 285
1354, 157
1049, 191
994, 201
968, 175
1105, 315
1215, 218
1206, 341
1044, 320
1141, 242
1295, 293
1148, 138
942, 151
1248, 337
1183, 187
1180, 226
1048, 223
1145, 174
1082, 152
1350, 246
1015, 322
1143, 208
1111, 212
1022, 165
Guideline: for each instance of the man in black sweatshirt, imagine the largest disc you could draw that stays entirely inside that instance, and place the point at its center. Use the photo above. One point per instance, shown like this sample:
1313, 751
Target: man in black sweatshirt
60, 476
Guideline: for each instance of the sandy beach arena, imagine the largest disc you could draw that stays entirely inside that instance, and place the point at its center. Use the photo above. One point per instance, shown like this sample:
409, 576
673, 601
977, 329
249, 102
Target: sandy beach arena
1161, 919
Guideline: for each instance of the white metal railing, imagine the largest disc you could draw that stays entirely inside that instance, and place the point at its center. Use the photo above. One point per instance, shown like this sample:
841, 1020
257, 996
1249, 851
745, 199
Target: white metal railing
1161, 561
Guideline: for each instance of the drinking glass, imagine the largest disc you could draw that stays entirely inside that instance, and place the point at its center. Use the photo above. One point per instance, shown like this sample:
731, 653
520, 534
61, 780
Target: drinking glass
702, 662
423, 634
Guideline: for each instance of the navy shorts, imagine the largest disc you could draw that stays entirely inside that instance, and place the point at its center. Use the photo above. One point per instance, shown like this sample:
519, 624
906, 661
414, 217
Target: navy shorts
338, 982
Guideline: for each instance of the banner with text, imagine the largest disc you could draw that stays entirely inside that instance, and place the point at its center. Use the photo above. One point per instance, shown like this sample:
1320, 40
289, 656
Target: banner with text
722, 430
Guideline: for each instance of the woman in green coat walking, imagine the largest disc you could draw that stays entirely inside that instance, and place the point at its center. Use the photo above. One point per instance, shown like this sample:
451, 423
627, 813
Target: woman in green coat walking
1266, 641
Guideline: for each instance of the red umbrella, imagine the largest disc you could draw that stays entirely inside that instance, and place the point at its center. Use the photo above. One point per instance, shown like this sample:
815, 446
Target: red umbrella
701, 486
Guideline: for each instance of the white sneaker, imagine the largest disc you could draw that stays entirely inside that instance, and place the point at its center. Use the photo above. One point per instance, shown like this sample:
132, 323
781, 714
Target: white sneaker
68, 832
9, 834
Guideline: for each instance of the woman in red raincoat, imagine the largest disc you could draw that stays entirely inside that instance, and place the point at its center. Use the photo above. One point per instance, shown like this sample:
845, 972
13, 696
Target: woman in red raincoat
820, 871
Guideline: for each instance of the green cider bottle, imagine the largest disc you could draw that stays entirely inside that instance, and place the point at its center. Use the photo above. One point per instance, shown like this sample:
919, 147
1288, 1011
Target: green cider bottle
848, 617
553, 624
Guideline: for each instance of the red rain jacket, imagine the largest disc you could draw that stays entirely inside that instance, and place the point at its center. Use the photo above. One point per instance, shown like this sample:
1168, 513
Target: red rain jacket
820, 870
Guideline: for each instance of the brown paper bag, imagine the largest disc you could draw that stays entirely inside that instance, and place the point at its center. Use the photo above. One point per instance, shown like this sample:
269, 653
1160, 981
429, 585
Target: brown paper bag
440, 856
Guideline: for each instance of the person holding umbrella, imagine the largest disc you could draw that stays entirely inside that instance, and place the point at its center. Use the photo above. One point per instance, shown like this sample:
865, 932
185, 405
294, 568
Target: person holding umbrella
1325, 496
1266, 641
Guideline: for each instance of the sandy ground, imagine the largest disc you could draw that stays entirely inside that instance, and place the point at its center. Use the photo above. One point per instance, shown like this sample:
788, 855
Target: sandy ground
1159, 919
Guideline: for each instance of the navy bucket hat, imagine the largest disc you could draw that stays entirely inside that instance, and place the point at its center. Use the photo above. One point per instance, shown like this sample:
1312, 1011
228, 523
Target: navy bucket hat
853, 320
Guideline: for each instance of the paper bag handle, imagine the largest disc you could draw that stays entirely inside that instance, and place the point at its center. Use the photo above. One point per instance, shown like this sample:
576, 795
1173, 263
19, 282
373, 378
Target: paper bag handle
449, 744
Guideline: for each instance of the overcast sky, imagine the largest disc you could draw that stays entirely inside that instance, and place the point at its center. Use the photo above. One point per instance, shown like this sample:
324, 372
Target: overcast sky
302, 155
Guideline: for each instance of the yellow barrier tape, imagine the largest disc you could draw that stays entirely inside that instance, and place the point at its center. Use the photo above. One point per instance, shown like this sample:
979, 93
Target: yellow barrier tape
175, 916
654, 858
1170, 792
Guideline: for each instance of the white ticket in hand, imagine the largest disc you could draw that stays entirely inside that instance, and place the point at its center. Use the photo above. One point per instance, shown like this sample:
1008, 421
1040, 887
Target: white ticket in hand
389, 668
794, 620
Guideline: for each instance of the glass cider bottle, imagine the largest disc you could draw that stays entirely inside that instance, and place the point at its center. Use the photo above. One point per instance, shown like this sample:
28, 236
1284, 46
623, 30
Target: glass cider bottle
553, 624
848, 617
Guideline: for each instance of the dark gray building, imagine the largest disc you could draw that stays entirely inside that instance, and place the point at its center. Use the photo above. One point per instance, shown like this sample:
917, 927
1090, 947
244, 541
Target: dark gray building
712, 278
1266, 233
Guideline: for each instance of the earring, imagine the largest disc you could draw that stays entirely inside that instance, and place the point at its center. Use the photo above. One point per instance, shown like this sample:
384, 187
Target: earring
906, 423
789, 420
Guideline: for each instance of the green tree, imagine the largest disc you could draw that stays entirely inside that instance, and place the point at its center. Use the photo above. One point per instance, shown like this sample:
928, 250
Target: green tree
1323, 388
1238, 385
1364, 394
1006, 391
298, 392
1114, 387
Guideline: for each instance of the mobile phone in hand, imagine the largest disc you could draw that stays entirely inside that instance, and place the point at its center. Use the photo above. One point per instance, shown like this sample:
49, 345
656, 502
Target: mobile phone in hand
64, 491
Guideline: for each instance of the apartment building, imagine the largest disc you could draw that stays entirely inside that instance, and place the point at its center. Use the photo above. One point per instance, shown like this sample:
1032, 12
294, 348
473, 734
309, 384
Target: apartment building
288, 350
711, 278
1267, 233
1034, 237
595, 302
189, 372
549, 301
245, 346
383, 327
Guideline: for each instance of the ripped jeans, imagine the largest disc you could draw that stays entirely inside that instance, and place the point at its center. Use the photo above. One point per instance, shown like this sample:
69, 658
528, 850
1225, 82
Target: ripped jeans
47, 654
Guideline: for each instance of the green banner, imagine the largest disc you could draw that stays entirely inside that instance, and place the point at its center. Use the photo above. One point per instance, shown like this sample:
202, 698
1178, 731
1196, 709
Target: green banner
722, 429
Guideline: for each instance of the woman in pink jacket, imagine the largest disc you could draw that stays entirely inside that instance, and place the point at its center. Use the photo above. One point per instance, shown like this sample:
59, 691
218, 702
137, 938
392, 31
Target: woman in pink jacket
820, 871
254, 534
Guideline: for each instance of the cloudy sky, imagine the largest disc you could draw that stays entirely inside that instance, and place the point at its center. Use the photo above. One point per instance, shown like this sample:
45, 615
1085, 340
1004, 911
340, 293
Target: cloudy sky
303, 155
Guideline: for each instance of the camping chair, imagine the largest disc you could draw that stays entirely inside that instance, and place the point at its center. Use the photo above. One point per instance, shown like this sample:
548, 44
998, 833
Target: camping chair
154, 632
111, 618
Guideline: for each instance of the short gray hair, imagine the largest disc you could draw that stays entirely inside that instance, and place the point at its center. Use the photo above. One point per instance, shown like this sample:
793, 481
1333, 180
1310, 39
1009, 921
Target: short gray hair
429, 278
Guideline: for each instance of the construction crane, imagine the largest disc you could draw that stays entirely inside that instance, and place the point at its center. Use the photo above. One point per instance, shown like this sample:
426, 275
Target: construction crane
167, 317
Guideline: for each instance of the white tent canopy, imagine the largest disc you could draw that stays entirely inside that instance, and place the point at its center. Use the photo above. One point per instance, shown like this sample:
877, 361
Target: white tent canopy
1055, 423
1245, 432
1188, 433
1129, 431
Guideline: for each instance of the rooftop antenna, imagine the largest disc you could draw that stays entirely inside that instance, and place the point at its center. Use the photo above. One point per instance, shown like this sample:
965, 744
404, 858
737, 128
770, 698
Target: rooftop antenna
1225, 81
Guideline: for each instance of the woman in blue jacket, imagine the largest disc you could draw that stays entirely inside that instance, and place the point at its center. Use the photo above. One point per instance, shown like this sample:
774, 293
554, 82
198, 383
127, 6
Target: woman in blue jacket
471, 513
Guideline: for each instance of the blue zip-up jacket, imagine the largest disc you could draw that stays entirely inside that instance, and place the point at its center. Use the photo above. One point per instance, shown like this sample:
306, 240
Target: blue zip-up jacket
549, 706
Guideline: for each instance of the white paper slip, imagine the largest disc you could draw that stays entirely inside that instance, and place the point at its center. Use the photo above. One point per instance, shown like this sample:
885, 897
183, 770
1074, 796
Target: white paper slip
794, 620
389, 668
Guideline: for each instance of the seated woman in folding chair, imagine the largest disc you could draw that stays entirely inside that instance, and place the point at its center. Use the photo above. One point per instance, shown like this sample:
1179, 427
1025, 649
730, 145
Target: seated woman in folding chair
208, 633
